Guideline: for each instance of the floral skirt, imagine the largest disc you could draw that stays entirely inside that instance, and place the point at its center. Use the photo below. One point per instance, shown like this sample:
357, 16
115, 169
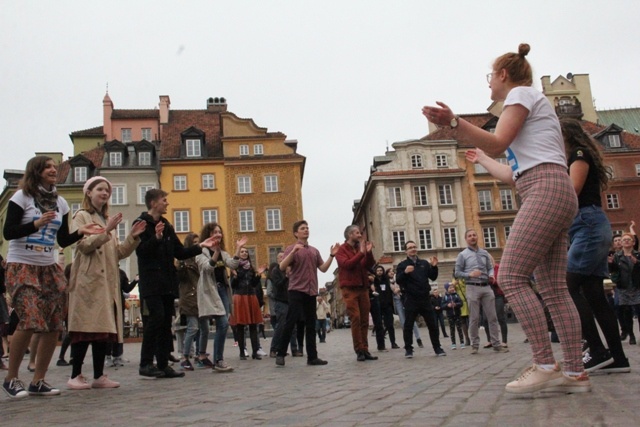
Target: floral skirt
38, 295
246, 310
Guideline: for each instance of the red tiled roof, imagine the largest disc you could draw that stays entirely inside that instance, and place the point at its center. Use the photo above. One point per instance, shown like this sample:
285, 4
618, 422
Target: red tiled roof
135, 114
181, 120
94, 155
96, 131
417, 172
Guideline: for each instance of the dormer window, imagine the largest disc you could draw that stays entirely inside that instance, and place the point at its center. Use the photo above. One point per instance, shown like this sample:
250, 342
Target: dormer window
80, 174
144, 158
194, 148
115, 158
614, 140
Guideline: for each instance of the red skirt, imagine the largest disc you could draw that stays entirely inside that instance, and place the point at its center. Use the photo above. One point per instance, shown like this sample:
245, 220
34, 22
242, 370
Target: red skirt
246, 310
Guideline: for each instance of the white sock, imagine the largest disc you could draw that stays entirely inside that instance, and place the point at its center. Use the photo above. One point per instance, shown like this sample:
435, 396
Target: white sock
547, 367
572, 374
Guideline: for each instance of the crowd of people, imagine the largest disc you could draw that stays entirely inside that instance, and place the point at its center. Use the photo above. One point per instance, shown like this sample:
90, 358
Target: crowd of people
559, 210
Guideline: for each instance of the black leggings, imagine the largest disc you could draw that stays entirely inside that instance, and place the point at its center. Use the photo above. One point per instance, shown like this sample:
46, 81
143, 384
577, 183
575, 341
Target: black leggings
588, 295
78, 353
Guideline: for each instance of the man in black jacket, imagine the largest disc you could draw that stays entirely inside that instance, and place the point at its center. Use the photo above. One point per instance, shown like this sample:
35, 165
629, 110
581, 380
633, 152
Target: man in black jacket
413, 276
158, 284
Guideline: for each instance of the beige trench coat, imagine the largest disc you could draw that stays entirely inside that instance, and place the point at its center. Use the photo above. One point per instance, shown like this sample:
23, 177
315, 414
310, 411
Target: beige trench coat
209, 302
95, 299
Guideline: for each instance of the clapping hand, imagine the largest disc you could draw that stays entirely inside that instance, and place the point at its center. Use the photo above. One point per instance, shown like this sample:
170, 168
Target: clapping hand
113, 222
138, 228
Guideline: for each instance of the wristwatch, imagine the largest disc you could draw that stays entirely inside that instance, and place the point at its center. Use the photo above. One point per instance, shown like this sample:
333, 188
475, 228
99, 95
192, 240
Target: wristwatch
454, 122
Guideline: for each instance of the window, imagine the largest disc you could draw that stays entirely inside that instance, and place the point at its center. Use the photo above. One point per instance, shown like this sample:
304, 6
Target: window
273, 253
507, 231
416, 161
244, 184
180, 183
252, 255
424, 239
193, 148
75, 207
146, 134
246, 220
181, 221
484, 199
490, 239
244, 150
395, 197
450, 237
637, 169
209, 215
273, 220
612, 201
446, 194
118, 195
502, 160
208, 181
479, 169
420, 197
506, 199
126, 135
441, 161
142, 190
398, 241
115, 158
614, 141
80, 174
144, 158
258, 149
271, 183
121, 232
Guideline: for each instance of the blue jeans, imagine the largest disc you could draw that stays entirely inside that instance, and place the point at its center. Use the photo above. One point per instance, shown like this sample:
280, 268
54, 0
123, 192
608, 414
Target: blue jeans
590, 236
190, 334
222, 326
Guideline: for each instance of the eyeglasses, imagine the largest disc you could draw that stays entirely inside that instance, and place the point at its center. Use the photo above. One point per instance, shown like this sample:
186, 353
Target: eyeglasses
627, 240
489, 76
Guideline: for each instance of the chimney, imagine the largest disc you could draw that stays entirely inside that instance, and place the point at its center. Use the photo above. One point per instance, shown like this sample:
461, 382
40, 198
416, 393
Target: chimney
216, 105
107, 109
164, 109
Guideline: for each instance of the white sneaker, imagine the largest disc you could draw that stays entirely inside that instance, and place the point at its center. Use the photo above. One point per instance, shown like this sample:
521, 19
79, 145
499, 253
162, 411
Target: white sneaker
78, 383
246, 353
108, 361
534, 378
573, 384
261, 352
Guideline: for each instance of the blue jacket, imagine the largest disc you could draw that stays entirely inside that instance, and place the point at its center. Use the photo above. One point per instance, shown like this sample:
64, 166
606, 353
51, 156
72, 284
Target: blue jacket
451, 298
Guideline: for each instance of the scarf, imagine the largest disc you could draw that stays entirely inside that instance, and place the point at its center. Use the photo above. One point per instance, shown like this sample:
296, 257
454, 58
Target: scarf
245, 264
46, 200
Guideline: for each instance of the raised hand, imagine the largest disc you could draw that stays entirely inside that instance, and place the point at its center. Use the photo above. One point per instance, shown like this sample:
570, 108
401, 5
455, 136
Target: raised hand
138, 228
241, 242
89, 229
159, 229
209, 243
334, 249
434, 261
113, 222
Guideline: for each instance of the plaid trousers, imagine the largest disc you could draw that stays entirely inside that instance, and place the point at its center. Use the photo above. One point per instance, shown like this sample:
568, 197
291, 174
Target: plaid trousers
537, 246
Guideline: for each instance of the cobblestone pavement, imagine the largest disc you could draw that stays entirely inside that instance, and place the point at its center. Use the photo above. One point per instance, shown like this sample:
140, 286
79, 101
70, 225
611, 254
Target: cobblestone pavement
458, 390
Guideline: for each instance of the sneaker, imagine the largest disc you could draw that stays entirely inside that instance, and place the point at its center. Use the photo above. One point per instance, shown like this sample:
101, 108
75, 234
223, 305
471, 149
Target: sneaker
204, 363
534, 379
62, 362
15, 389
383, 350
453, 347
408, 354
617, 367
150, 372
261, 352
419, 342
186, 365
361, 357
279, 360
170, 373
297, 354
501, 349
594, 362
42, 388
474, 350
462, 346
246, 353
221, 366
104, 382
316, 362
440, 352
78, 383
107, 361
573, 384
117, 361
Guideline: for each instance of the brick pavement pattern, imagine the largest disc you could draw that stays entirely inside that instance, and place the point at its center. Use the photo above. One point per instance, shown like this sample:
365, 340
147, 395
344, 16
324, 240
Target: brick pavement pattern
458, 390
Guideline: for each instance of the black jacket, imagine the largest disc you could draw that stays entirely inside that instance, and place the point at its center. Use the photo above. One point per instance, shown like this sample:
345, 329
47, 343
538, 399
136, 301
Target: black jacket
280, 283
415, 285
158, 274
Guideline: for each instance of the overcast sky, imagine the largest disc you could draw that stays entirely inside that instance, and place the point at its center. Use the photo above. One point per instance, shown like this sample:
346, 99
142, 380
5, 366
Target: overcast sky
345, 78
